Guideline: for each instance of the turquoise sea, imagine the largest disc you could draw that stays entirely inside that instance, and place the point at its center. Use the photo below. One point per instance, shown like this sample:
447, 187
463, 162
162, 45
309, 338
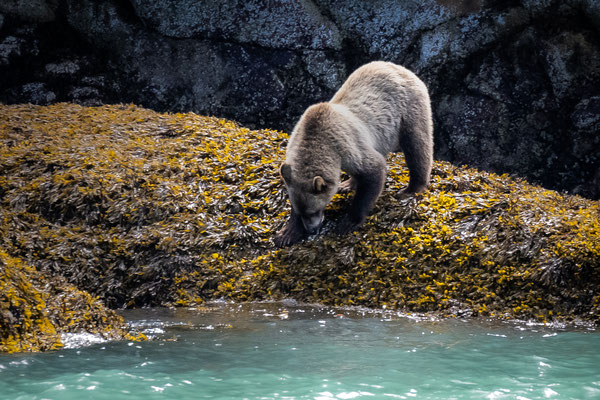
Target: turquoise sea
291, 351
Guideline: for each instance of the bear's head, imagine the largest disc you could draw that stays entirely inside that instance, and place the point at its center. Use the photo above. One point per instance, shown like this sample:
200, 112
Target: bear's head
309, 195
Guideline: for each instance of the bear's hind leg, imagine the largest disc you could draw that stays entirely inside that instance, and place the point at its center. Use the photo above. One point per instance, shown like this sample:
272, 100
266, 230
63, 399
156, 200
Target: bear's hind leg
417, 146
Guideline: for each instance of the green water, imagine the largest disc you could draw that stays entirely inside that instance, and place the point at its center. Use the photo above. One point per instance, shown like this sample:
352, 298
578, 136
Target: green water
278, 351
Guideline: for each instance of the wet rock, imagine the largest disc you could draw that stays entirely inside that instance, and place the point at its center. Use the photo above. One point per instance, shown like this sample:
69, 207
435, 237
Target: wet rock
587, 114
9, 47
591, 9
277, 24
586, 142
30, 10
86, 95
386, 29
65, 67
327, 73
572, 64
37, 93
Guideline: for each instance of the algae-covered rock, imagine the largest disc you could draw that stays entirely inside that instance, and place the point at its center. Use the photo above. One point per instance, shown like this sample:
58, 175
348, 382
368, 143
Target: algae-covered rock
24, 323
36, 309
140, 208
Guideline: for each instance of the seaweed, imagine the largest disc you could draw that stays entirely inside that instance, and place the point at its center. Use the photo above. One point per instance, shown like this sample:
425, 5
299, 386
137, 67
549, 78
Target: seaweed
36, 310
138, 208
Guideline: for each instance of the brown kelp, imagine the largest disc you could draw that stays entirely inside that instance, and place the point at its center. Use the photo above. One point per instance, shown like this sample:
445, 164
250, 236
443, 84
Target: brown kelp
36, 309
141, 208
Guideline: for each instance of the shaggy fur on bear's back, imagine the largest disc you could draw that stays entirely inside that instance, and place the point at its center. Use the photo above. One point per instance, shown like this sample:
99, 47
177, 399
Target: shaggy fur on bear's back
381, 108
390, 99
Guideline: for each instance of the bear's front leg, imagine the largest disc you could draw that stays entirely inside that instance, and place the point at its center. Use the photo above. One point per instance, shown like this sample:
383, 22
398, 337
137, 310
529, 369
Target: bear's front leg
368, 188
291, 233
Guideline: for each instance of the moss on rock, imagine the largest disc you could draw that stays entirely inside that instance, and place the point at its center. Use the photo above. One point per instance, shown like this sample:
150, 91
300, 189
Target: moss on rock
140, 208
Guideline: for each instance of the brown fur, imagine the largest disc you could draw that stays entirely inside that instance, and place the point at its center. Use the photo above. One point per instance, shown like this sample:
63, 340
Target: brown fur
381, 108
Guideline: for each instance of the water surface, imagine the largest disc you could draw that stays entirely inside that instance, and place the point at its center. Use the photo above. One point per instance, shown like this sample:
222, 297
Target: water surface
287, 351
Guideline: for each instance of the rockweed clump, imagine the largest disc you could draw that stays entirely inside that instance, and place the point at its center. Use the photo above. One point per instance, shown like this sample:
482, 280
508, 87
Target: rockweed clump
129, 207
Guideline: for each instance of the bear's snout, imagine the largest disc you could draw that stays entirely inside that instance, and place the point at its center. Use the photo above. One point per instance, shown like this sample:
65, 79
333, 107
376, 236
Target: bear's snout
312, 223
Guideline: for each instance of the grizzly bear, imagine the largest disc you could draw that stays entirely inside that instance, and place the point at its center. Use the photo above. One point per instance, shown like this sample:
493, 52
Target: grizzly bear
381, 108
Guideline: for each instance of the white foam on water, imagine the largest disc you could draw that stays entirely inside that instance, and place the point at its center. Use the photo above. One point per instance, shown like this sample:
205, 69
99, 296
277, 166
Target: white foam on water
77, 340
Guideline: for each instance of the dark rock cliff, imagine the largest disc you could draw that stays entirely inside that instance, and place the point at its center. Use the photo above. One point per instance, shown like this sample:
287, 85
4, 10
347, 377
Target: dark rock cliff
515, 85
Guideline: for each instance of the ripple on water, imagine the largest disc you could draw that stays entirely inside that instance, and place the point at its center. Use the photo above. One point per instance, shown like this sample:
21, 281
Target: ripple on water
275, 351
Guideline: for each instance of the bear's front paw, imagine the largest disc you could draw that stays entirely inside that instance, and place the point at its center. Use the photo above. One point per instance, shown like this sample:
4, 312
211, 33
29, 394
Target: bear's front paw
411, 190
288, 236
410, 193
348, 225
347, 186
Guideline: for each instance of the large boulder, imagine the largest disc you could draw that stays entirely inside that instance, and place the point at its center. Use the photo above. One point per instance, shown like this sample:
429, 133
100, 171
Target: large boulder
514, 85
179, 209
280, 24
29, 10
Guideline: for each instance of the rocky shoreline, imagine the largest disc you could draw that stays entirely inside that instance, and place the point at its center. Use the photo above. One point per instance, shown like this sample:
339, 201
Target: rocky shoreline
118, 206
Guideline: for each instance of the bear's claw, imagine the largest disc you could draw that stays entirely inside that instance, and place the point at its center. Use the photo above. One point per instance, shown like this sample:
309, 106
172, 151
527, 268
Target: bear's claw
347, 186
287, 237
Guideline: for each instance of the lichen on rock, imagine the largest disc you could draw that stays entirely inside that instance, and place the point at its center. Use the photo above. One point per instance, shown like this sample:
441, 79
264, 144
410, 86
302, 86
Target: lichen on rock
121, 206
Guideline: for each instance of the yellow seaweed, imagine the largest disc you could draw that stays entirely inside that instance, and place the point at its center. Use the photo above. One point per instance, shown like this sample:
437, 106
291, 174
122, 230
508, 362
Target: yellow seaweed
136, 208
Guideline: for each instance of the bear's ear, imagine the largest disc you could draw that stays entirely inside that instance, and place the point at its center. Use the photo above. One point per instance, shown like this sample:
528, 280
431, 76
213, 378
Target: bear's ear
286, 172
319, 184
